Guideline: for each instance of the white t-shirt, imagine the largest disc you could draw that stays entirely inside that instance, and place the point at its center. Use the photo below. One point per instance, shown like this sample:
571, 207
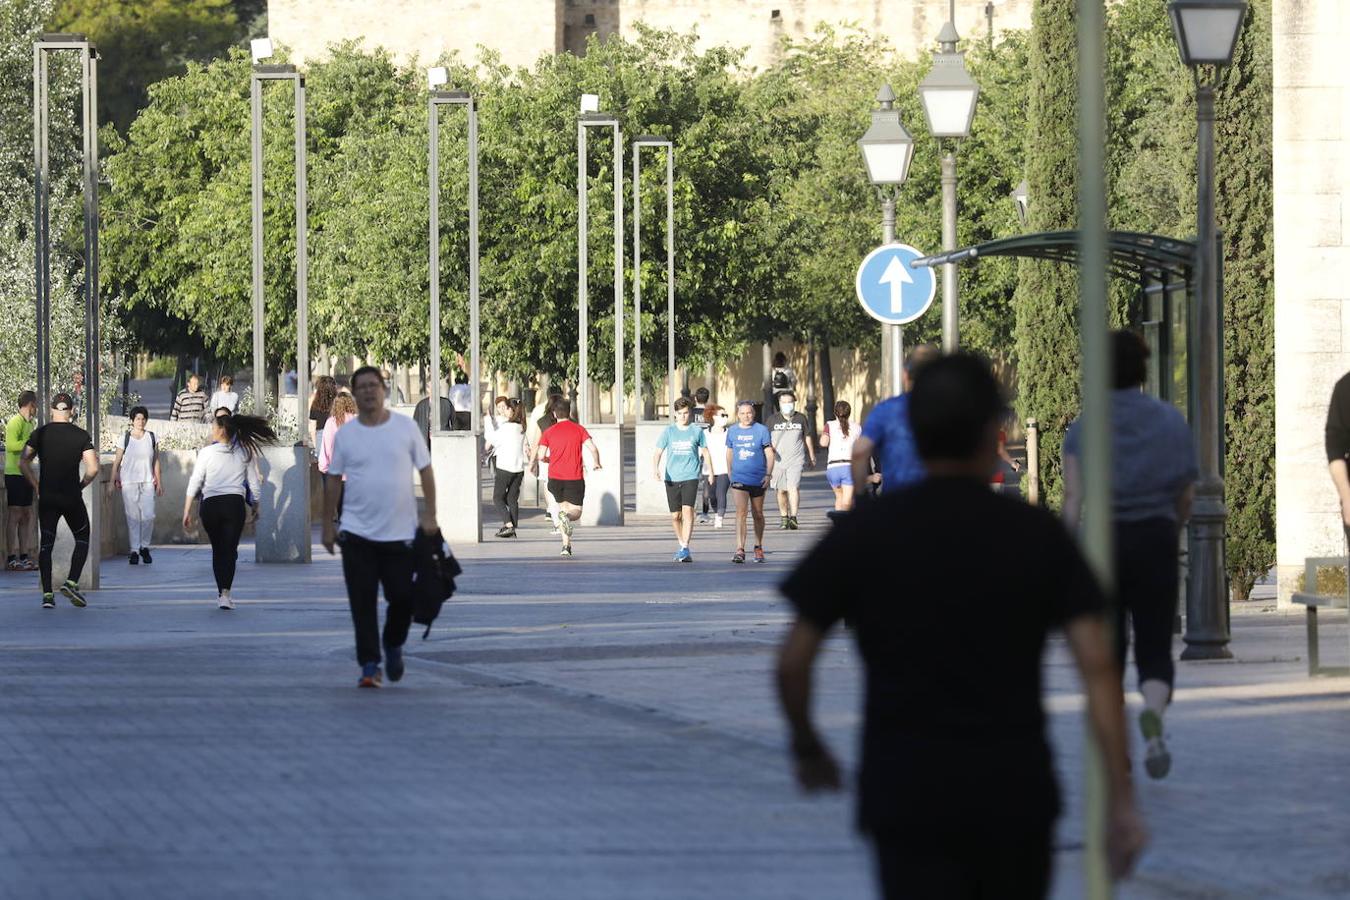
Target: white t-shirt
508, 441
717, 449
378, 502
841, 447
222, 398
138, 460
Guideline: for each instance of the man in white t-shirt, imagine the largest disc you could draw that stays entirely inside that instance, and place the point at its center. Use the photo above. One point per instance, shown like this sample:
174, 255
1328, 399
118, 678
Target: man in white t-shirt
377, 453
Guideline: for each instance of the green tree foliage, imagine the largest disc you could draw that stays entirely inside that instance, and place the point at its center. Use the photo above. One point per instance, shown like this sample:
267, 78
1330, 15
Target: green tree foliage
1047, 294
1243, 179
145, 41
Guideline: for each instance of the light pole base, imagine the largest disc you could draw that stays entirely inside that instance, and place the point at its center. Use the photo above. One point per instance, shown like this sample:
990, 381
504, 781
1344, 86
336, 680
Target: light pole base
1201, 651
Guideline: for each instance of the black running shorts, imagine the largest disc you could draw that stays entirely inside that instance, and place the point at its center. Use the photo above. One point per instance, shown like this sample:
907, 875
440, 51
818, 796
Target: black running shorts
754, 490
681, 493
573, 492
18, 492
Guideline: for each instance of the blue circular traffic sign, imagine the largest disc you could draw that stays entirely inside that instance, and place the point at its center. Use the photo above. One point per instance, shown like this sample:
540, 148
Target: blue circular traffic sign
890, 289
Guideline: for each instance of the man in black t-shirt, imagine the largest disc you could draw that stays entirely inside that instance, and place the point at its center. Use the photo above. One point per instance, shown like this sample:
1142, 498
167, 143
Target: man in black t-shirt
68, 465
956, 785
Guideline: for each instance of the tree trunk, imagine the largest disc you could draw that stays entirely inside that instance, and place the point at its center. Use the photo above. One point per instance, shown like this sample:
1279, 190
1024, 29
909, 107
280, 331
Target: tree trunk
811, 406
826, 377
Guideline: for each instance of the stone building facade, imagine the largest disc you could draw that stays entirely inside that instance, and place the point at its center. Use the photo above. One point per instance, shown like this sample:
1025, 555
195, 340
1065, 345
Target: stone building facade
523, 30
1312, 269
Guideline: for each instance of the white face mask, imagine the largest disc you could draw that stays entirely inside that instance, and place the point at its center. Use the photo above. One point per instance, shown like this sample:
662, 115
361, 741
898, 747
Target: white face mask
787, 408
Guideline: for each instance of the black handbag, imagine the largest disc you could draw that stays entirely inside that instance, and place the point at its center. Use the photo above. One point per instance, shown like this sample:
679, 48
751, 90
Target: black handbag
434, 576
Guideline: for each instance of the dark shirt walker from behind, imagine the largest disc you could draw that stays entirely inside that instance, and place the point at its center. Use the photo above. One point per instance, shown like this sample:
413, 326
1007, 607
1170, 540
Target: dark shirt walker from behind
59, 448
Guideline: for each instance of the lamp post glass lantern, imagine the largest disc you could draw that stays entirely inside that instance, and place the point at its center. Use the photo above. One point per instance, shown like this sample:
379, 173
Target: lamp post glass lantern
949, 95
887, 150
1207, 31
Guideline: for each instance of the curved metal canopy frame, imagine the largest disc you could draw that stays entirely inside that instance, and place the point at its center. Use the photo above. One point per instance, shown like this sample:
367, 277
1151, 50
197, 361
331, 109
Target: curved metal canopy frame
1132, 255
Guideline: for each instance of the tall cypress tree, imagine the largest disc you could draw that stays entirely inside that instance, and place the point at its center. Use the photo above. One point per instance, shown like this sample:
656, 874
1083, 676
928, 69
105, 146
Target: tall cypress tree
1245, 210
1046, 300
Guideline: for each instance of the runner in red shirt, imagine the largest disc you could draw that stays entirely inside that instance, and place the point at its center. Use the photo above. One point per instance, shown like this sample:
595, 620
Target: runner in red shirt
562, 445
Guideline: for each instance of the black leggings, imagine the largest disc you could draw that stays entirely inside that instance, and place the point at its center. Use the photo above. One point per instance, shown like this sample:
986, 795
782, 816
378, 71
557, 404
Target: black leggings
506, 496
1146, 560
223, 519
719, 494
52, 508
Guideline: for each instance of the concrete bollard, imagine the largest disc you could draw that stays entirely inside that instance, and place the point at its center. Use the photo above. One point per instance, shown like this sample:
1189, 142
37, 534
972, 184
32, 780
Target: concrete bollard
651, 491
283, 529
455, 458
604, 489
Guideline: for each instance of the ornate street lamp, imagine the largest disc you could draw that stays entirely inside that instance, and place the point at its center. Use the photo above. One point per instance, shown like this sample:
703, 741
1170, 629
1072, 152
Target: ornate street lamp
1207, 33
949, 95
887, 150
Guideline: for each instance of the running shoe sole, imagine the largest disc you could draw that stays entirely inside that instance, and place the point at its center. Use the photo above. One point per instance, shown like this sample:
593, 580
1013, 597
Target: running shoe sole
48, 602
372, 681
1157, 759
566, 552
74, 596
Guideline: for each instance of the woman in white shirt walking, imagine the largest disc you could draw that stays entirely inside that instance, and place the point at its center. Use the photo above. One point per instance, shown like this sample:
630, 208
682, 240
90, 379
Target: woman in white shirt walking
839, 437
224, 396
506, 438
226, 475
135, 473
719, 477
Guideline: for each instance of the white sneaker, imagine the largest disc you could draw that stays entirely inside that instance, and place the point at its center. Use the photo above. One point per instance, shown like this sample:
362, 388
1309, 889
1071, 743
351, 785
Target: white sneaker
224, 601
717, 521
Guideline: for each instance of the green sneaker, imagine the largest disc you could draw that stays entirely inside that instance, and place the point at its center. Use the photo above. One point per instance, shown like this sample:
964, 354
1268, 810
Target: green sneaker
72, 590
49, 601
1157, 758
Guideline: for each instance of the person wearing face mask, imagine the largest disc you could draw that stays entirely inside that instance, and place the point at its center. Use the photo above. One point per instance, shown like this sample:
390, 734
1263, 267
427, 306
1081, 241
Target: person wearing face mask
719, 478
793, 444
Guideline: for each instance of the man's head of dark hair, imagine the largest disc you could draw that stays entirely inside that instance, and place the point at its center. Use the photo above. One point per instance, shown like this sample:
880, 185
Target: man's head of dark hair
139, 411
919, 357
27, 398
787, 395
701, 395
1129, 359
555, 390
560, 407
363, 371
954, 402
683, 403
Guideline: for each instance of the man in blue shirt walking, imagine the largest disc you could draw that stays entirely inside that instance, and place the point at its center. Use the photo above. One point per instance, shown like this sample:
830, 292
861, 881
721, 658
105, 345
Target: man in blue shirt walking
887, 436
685, 448
750, 459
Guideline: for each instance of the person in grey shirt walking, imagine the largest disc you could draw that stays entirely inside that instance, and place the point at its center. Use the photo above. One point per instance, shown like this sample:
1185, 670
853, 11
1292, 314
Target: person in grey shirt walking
1153, 473
792, 442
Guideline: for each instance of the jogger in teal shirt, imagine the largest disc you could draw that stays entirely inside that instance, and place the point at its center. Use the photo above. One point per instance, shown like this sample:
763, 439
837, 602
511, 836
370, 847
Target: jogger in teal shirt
685, 447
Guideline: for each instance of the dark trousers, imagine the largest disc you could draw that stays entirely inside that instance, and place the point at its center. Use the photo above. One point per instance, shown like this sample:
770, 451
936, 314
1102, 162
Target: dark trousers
223, 519
719, 494
52, 508
1146, 563
506, 496
1011, 865
366, 565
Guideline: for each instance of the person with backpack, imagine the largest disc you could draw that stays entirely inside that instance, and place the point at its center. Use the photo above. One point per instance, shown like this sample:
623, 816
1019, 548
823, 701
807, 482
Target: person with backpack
135, 473
782, 380
226, 477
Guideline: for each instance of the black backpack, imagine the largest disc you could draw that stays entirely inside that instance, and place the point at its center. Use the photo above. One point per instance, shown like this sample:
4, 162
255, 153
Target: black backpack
780, 380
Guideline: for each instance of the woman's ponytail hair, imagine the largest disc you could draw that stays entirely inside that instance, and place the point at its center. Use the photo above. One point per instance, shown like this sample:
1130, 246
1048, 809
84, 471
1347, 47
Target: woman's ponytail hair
842, 411
249, 432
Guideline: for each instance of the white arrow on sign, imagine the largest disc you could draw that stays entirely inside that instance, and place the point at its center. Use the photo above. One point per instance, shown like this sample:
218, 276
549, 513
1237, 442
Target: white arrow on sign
897, 276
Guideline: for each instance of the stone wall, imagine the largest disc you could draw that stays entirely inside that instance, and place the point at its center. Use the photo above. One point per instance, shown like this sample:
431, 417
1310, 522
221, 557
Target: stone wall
523, 30
1312, 269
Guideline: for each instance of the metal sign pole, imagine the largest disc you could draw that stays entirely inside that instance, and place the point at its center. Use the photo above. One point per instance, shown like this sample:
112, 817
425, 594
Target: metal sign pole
259, 388
583, 374
301, 265
433, 187
617, 392
475, 423
670, 270
639, 413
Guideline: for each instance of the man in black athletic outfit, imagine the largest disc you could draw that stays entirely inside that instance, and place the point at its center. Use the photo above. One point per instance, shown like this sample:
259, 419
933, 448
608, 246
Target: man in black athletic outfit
68, 465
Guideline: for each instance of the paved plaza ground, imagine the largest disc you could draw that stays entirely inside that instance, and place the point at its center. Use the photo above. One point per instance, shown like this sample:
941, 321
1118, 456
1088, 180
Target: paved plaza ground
601, 727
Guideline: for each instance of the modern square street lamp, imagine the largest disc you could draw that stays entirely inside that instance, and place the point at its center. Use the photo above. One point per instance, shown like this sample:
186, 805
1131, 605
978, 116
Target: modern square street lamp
949, 94
1207, 33
591, 117
887, 150
659, 143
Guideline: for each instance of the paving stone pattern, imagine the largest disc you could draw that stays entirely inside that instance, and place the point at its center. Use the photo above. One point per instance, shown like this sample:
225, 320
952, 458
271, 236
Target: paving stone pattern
601, 727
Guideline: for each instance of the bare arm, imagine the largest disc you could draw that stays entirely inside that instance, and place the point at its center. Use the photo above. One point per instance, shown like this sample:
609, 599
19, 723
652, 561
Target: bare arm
1340, 477
1091, 649
117, 469
429, 494
26, 466
92, 468
863, 449
595, 455
656, 464
815, 766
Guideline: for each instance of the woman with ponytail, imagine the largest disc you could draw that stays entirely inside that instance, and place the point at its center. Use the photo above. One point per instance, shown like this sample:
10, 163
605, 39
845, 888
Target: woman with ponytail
839, 438
226, 477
